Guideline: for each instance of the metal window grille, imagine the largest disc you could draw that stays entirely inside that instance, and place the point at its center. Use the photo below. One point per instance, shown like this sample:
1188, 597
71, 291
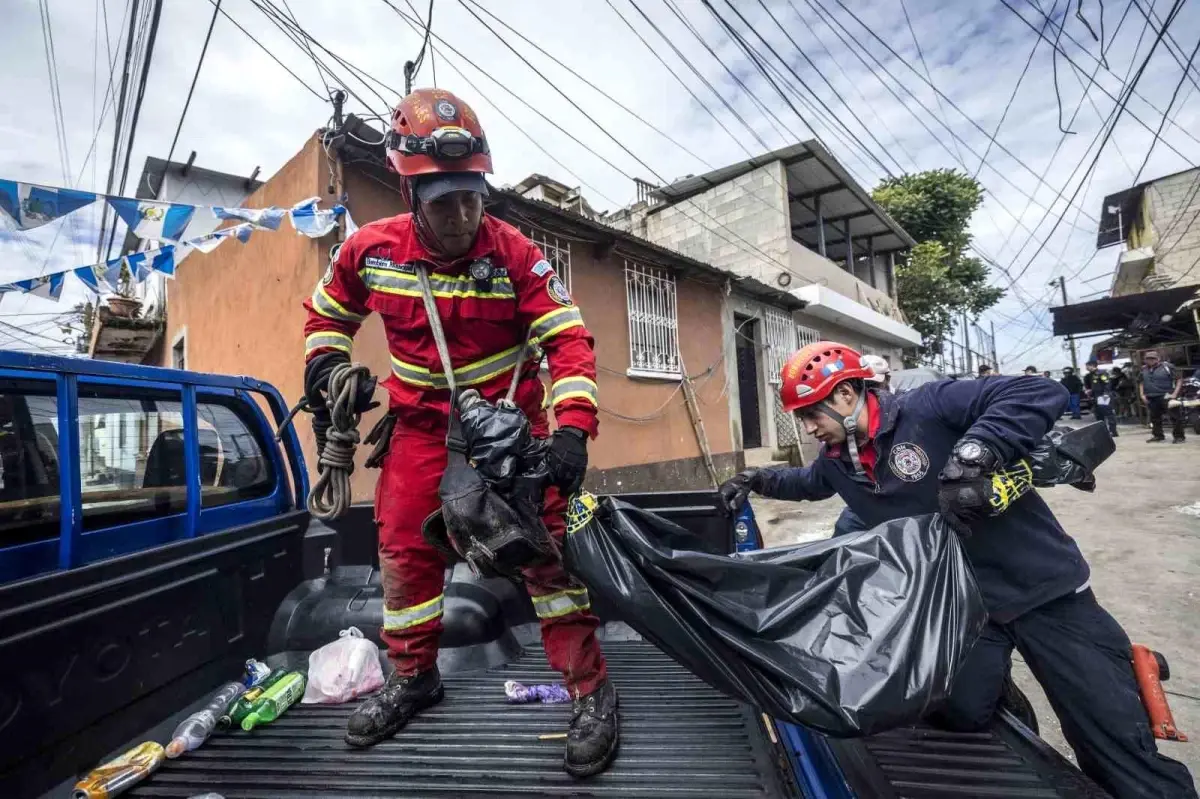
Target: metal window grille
557, 252
806, 336
781, 342
653, 319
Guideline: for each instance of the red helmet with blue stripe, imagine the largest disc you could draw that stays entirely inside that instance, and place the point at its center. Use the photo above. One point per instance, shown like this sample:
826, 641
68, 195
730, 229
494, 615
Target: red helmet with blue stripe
810, 375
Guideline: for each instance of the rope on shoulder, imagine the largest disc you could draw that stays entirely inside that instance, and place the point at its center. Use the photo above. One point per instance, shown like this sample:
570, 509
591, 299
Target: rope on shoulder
330, 495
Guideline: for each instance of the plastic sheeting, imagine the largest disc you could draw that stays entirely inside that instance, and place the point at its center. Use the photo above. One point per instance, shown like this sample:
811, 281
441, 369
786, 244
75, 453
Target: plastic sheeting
848, 636
1070, 455
492, 491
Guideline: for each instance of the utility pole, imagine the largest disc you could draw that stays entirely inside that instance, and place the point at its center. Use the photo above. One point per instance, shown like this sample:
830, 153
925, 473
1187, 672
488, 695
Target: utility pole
995, 360
967, 342
1061, 282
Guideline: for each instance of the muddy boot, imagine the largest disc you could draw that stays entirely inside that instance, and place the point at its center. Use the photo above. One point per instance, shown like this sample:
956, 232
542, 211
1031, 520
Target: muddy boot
594, 732
385, 713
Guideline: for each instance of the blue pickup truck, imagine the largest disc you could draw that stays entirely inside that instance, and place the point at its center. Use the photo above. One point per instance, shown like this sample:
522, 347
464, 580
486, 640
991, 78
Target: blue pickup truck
153, 537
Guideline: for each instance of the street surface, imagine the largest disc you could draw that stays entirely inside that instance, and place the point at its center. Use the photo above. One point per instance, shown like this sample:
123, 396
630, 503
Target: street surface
1140, 531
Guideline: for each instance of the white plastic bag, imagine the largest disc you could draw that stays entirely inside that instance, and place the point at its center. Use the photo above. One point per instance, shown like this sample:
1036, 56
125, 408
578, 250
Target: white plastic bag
343, 670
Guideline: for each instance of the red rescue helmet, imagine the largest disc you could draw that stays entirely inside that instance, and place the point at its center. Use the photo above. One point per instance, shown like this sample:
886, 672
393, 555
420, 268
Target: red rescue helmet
433, 131
810, 375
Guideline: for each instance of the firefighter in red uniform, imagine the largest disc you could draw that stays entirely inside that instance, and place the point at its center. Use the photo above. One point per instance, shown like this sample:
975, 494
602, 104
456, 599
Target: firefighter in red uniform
494, 291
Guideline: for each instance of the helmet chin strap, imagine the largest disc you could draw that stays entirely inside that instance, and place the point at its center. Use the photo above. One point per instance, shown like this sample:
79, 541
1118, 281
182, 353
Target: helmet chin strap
850, 425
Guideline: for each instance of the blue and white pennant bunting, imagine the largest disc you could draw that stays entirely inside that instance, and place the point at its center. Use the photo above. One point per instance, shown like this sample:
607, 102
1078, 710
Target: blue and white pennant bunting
30, 206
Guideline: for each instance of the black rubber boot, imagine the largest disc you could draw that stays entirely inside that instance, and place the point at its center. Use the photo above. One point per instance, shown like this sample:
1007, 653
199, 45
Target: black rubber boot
594, 732
386, 713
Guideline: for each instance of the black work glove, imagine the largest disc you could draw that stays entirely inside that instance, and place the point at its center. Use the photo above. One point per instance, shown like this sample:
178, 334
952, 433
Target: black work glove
736, 489
567, 459
316, 384
965, 488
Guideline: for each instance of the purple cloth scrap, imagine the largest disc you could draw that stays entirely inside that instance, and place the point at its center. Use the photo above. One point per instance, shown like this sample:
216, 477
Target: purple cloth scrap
547, 694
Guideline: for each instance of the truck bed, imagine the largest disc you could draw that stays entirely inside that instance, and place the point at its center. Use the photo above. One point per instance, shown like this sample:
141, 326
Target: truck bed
679, 738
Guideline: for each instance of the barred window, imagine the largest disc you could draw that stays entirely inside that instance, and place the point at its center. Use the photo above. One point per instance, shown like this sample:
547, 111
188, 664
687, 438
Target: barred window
653, 320
781, 342
557, 252
806, 336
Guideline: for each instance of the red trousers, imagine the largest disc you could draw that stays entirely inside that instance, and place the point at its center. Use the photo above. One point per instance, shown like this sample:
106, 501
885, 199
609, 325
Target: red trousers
413, 571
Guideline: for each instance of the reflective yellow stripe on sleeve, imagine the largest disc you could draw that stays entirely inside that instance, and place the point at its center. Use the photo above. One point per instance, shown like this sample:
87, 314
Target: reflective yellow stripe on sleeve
331, 309
416, 614
561, 603
327, 339
573, 388
550, 325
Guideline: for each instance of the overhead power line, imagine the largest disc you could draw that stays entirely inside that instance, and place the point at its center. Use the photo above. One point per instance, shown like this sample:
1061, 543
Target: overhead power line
196, 76
1174, 96
1110, 95
833, 114
267, 50
1118, 111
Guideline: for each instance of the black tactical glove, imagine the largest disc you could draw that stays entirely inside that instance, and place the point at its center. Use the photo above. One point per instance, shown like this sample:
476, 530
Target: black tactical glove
567, 459
965, 488
316, 384
736, 489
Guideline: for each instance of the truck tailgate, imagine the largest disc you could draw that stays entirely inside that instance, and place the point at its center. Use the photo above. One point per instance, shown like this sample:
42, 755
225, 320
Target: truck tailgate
679, 738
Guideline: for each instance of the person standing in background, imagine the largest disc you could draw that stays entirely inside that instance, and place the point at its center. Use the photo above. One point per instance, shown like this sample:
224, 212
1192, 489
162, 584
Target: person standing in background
1031, 371
1098, 387
1160, 384
1074, 386
1046, 374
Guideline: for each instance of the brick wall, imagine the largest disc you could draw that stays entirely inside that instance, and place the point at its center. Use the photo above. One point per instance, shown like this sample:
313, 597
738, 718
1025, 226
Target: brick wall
1174, 206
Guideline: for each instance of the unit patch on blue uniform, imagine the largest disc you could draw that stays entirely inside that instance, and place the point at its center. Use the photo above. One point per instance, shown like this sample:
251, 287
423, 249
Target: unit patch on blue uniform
542, 268
909, 462
558, 291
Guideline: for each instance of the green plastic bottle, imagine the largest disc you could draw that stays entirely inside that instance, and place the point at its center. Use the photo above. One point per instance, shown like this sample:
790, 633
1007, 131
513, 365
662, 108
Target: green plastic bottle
245, 704
275, 700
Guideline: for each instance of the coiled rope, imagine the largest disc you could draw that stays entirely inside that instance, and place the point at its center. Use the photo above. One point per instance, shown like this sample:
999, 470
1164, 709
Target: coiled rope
330, 495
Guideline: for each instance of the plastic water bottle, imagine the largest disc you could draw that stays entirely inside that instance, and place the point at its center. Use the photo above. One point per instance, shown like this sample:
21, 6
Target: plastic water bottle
120, 774
275, 700
243, 706
195, 729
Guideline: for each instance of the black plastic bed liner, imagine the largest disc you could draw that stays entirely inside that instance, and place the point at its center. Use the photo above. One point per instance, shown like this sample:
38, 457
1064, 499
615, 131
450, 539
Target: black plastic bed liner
679, 738
1005, 761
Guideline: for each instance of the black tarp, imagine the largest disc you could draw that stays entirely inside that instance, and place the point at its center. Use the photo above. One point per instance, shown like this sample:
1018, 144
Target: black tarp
849, 636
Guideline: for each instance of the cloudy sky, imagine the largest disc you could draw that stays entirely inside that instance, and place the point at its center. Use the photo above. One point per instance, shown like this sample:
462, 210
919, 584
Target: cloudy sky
248, 111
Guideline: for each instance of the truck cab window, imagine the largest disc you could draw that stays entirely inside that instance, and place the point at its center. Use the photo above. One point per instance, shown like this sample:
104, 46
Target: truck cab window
233, 461
131, 458
29, 507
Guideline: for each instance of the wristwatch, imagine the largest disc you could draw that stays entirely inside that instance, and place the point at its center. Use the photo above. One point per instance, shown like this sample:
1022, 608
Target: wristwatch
973, 453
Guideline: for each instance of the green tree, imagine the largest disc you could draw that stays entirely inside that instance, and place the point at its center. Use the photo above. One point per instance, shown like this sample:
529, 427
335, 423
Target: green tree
938, 281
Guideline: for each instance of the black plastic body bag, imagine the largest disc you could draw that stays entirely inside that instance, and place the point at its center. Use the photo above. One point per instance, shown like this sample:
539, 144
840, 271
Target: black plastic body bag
848, 636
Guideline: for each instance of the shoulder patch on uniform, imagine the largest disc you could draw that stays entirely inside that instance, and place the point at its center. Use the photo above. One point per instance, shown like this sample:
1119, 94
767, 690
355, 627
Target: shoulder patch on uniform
542, 268
908, 462
558, 291
327, 278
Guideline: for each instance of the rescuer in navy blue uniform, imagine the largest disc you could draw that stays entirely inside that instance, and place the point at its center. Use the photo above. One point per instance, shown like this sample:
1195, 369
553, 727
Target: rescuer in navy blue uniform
935, 449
